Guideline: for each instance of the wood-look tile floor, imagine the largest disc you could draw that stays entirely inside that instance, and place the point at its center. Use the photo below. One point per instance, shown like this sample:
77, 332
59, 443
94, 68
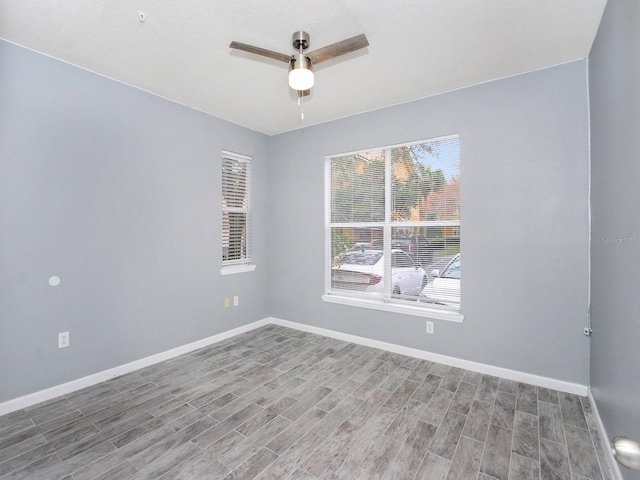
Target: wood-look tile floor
277, 403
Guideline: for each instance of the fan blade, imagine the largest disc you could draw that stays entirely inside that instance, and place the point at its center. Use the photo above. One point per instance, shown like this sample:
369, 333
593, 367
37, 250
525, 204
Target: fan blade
260, 51
338, 48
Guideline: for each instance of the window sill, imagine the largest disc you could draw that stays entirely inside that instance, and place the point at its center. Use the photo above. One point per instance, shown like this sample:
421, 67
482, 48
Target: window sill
376, 304
232, 269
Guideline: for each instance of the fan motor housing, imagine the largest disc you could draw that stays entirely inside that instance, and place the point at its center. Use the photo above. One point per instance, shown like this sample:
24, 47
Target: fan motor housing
300, 40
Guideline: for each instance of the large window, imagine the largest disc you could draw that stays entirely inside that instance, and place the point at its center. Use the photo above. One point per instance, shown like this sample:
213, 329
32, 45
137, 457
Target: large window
393, 228
236, 224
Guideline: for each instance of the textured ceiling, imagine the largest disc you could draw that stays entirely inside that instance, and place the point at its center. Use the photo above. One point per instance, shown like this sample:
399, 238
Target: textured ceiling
417, 48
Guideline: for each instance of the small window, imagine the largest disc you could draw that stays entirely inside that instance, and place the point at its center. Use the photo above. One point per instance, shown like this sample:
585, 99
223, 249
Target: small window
393, 232
236, 213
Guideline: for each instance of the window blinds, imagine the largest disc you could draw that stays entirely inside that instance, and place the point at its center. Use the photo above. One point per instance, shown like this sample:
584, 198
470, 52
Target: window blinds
403, 199
236, 225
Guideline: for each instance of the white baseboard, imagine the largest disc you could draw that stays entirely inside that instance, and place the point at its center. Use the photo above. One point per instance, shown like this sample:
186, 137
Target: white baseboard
515, 375
614, 468
74, 385
80, 383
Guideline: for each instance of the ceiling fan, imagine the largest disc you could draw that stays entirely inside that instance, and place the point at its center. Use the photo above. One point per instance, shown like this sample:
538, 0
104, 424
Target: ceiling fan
301, 64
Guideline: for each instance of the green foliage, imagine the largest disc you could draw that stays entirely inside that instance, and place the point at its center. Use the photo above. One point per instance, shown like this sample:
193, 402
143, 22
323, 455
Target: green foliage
357, 189
339, 242
420, 181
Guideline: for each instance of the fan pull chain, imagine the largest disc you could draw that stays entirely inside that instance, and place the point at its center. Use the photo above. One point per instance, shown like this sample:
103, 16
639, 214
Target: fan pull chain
301, 104
300, 96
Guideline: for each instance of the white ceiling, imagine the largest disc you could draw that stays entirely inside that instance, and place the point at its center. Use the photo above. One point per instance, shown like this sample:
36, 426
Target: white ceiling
417, 48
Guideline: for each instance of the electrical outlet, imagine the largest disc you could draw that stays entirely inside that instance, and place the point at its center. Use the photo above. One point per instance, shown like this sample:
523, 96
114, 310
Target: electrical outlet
236, 301
227, 302
429, 327
63, 339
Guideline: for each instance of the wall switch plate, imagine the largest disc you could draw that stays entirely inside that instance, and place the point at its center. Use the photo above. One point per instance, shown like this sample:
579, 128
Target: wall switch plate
429, 327
236, 301
63, 339
227, 302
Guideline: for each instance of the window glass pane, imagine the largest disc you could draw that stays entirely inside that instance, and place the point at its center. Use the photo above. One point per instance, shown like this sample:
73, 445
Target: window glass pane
426, 181
235, 209
357, 188
235, 234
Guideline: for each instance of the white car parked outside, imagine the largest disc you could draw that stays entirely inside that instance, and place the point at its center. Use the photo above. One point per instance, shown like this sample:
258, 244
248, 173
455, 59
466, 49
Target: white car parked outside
362, 271
444, 289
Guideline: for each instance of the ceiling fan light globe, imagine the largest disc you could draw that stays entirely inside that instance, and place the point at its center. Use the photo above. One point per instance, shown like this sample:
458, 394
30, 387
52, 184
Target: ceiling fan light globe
300, 73
301, 79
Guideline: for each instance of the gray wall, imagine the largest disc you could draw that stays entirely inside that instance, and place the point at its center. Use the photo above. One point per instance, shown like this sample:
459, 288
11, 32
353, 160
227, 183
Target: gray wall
614, 79
117, 192
525, 221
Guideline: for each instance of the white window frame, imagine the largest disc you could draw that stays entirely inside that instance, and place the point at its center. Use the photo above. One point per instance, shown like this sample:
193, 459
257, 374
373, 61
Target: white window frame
244, 264
343, 297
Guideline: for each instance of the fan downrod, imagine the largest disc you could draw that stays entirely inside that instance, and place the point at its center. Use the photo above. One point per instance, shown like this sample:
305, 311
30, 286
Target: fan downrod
300, 40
